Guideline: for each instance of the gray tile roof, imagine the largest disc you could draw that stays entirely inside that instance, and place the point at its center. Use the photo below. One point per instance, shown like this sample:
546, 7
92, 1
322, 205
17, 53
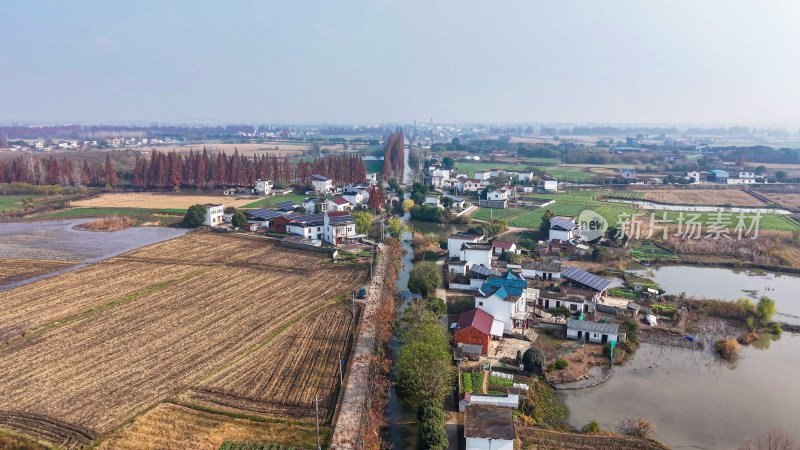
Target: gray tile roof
489, 422
592, 327
541, 266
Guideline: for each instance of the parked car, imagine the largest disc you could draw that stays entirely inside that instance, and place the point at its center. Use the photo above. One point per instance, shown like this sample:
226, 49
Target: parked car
361, 294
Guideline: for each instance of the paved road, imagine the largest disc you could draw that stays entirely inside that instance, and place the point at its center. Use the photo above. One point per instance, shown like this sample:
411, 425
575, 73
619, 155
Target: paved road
352, 412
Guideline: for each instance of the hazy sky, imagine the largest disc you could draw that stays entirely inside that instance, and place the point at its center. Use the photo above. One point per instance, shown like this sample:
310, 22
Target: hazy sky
667, 61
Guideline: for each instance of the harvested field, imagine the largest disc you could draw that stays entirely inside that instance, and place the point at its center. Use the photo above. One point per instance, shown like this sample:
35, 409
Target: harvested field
532, 437
171, 426
152, 341
713, 197
791, 201
147, 200
270, 383
18, 269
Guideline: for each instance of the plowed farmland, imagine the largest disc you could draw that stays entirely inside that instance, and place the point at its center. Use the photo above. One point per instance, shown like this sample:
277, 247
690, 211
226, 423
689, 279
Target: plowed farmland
18, 269
267, 382
712, 197
116, 337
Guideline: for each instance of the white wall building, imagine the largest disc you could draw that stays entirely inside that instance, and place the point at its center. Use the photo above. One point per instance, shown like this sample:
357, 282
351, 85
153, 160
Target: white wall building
489, 428
213, 214
563, 228
455, 241
596, 332
476, 254
263, 187
321, 183
339, 229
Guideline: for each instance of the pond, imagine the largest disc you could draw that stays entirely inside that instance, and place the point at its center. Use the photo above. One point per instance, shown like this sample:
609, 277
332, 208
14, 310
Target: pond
729, 284
694, 399
644, 204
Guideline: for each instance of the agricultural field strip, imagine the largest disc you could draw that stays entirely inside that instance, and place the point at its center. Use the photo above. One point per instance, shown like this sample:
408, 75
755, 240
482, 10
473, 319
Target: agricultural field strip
167, 346
265, 381
18, 269
711, 197
37, 306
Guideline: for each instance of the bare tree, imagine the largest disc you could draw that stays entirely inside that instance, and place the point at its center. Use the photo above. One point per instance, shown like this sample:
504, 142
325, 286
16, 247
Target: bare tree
771, 440
636, 426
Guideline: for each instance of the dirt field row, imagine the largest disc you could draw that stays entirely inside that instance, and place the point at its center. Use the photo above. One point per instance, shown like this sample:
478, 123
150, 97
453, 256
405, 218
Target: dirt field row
160, 201
715, 197
267, 382
175, 427
95, 371
18, 269
788, 200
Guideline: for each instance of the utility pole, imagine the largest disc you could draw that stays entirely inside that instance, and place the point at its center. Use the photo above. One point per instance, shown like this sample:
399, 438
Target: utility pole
341, 376
316, 401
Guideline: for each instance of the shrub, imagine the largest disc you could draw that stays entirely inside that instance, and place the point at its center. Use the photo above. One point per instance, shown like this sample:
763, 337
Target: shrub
636, 427
765, 310
195, 216
632, 331
591, 427
533, 358
559, 311
607, 348
561, 363
776, 328
749, 337
466, 383
728, 348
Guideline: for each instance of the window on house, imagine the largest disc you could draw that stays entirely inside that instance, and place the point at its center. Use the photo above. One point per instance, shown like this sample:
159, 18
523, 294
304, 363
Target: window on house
480, 303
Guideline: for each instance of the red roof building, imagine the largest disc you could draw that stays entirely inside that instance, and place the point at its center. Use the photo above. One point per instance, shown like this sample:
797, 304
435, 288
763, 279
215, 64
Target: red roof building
474, 327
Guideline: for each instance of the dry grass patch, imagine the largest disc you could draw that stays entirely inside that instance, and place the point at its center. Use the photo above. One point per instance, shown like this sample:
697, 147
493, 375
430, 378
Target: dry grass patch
172, 426
148, 200
110, 223
18, 269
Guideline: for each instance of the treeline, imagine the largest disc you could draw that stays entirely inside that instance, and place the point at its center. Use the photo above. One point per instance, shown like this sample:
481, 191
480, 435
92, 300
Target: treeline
204, 170
761, 154
170, 170
394, 156
51, 171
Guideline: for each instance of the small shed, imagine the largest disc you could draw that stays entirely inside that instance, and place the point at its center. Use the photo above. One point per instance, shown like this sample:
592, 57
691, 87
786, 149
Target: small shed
596, 332
489, 427
474, 327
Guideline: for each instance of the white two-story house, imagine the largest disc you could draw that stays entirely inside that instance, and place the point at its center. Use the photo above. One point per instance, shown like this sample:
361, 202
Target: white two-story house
213, 214
340, 228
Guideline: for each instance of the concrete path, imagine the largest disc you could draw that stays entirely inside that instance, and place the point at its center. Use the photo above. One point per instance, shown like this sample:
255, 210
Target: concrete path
352, 415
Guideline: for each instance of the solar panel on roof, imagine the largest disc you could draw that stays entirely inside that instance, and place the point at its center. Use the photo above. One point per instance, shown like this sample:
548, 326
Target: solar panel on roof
265, 214
562, 223
287, 205
583, 277
483, 270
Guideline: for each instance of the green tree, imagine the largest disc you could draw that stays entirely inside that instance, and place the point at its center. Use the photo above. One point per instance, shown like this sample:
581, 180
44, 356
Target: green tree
431, 417
395, 186
765, 310
423, 365
396, 227
363, 221
407, 205
230, 210
781, 175
239, 220
424, 278
544, 227
195, 216
448, 162
510, 257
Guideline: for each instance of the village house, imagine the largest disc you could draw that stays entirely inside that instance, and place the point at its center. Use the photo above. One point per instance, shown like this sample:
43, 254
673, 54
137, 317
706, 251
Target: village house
506, 298
580, 281
321, 183
439, 176
315, 205
213, 214
546, 270
476, 254
482, 176
549, 184
525, 176
340, 228
472, 185
455, 241
355, 194
627, 174
264, 217
511, 191
263, 187
308, 225
563, 228
432, 199
500, 247
372, 178
489, 428
573, 302
458, 202
596, 332
495, 199
339, 204
474, 327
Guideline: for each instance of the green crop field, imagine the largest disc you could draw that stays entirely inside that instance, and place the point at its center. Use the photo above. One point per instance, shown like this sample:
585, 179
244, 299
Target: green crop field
568, 173
8, 202
270, 202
